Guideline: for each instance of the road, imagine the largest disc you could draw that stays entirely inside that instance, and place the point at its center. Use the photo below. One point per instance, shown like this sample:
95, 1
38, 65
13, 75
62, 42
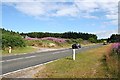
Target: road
17, 62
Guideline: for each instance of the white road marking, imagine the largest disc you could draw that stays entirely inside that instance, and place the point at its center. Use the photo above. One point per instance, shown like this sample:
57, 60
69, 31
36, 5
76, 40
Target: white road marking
12, 59
55, 52
32, 52
26, 68
60, 52
29, 57
18, 59
65, 51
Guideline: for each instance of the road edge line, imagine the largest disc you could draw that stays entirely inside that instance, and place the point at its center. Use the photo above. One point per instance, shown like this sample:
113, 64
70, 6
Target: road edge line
2, 76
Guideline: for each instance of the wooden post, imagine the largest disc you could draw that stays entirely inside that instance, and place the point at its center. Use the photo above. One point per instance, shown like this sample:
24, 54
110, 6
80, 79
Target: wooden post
73, 54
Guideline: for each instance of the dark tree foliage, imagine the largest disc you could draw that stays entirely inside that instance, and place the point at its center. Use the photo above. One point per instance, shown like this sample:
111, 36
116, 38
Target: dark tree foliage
10, 38
13, 41
68, 35
114, 38
102, 40
9, 32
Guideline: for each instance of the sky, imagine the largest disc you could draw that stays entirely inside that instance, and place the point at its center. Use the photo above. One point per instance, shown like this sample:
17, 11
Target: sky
58, 16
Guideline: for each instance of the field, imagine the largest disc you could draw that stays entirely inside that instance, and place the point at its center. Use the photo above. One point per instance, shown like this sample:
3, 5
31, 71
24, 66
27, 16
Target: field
88, 64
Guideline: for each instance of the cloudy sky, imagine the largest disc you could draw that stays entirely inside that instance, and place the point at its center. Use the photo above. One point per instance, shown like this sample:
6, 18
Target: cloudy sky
89, 16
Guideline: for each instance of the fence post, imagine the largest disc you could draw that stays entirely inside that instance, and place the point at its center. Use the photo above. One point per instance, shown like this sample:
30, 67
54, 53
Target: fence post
73, 54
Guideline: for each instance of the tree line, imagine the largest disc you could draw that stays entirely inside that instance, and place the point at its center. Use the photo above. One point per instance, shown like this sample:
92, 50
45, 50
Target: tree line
114, 38
15, 39
67, 35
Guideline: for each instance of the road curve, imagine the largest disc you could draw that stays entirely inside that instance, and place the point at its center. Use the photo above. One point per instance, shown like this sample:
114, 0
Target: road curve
17, 62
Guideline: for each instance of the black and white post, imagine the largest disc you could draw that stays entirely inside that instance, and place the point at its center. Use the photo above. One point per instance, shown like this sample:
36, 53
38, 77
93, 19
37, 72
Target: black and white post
73, 54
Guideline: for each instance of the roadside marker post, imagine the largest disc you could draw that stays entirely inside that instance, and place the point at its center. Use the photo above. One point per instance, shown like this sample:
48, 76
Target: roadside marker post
73, 54
10, 49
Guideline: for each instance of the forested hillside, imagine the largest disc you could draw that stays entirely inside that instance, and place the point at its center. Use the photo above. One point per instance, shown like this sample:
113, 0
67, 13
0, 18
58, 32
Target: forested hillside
68, 35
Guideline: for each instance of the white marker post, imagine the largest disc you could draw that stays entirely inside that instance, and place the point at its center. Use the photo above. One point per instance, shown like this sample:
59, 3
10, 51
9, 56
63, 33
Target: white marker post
73, 54
10, 50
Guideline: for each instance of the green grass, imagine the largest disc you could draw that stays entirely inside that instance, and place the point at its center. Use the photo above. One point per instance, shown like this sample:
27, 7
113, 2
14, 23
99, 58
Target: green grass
87, 65
19, 50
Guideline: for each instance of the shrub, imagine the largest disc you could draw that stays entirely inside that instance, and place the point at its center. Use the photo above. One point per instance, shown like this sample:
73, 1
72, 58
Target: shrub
116, 48
34, 43
59, 40
71, 41
92, 40
13, 41
113, 59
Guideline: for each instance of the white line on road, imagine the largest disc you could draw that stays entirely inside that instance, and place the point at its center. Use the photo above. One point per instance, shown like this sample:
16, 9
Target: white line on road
26, 68
55, 52
18, 59
60, 52
30, 57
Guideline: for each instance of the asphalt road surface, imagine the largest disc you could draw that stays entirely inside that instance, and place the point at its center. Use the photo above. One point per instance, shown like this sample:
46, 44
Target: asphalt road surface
17, 62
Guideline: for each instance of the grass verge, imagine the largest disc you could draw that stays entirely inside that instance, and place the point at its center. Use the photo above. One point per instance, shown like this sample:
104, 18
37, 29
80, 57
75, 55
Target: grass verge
20, 50
112, 60
88, 64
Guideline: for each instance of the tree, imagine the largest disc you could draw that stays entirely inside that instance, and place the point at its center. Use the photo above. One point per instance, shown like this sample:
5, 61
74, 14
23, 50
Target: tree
10, 38
92, 40
114, 38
